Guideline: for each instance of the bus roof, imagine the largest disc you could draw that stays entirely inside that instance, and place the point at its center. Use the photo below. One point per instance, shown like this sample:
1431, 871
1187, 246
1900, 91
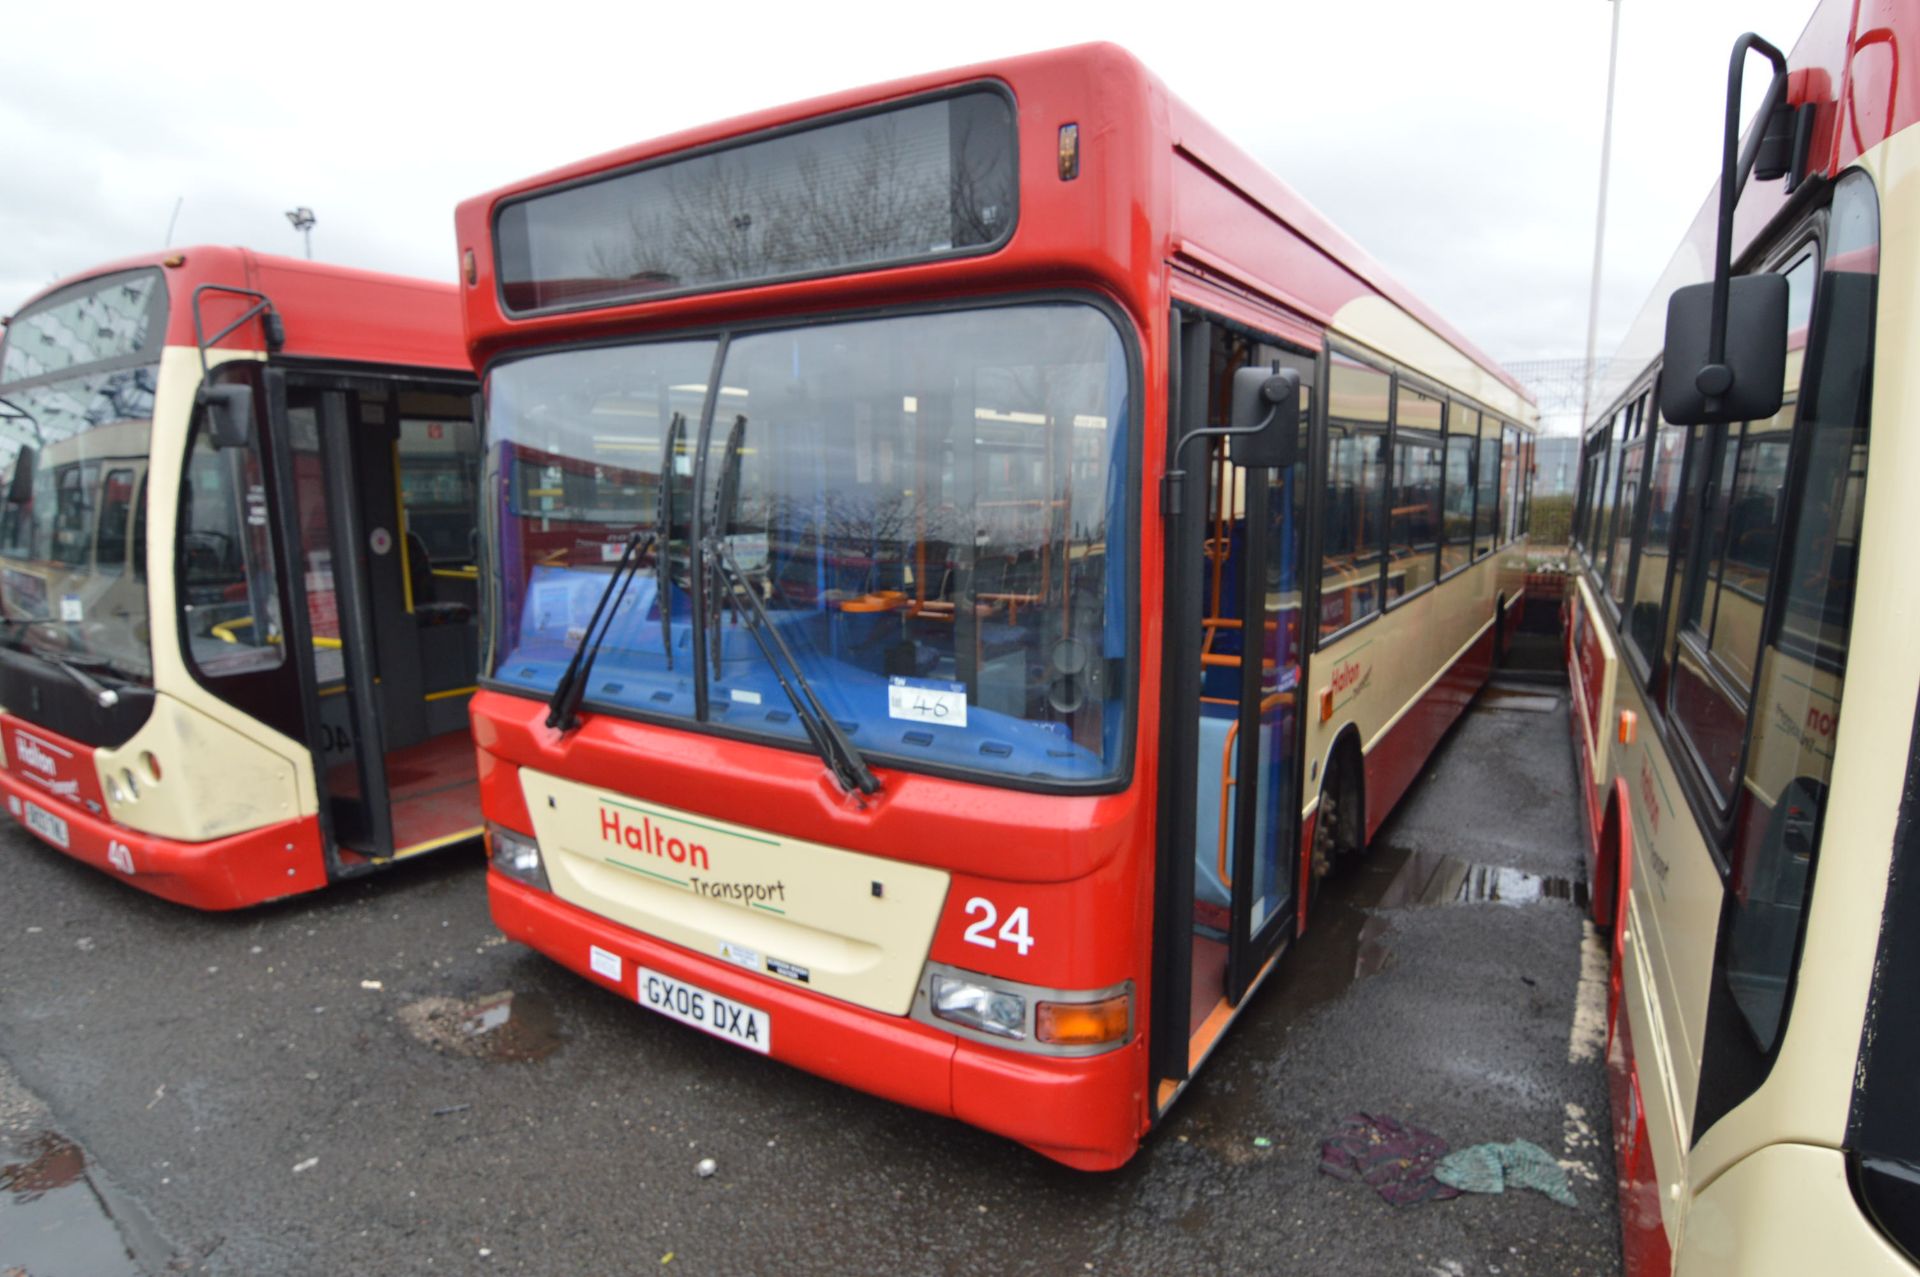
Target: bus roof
1062, 85
330, 312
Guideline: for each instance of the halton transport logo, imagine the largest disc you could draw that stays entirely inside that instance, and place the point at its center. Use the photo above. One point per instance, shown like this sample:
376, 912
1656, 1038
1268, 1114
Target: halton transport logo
34, 753
650, 839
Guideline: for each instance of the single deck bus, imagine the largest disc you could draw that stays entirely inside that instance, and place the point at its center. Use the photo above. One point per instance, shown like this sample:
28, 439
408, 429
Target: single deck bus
891, 667
1744, 708
238, 625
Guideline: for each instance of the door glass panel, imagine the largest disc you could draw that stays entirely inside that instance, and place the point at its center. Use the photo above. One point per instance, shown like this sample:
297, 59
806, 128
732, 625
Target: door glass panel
1278, 798
338, 762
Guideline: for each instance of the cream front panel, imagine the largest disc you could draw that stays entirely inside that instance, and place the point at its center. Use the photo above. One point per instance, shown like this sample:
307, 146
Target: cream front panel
848, 925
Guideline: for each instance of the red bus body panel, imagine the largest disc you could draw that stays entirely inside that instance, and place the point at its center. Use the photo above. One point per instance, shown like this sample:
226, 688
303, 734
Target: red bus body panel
1163, 207
227, 873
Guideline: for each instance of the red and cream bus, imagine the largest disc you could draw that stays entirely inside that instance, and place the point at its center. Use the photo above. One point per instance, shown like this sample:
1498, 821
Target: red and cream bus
1745, 698
868, 677
237, 586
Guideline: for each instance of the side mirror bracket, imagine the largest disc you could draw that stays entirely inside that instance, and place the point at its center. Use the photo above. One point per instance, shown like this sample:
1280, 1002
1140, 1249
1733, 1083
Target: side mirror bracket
1264, 424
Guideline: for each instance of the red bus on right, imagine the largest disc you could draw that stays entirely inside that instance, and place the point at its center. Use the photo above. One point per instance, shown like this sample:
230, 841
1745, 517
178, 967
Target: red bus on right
1744, 708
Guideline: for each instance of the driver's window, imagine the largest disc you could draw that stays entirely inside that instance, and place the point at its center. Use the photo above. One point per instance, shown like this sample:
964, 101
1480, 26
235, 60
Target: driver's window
228, 596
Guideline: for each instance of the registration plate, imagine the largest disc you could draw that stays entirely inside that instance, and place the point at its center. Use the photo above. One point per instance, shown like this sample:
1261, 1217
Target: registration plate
690, 1004
46, 824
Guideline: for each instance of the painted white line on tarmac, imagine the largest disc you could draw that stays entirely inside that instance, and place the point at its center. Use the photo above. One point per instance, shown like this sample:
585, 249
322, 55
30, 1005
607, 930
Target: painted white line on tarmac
1588, 1035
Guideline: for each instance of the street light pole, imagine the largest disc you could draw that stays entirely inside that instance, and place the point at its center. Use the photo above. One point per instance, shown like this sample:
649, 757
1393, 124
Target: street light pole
1600, 225
303, 220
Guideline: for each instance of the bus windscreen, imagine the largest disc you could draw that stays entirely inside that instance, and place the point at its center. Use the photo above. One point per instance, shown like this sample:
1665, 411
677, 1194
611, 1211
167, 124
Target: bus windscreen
931, 509
78, 376
929, 179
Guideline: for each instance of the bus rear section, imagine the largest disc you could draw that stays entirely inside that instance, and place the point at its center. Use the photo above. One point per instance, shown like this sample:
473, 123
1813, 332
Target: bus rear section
237, 573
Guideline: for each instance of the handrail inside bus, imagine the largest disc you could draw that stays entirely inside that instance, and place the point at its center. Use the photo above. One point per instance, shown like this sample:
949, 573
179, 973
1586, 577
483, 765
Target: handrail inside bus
1228, 780
225, 633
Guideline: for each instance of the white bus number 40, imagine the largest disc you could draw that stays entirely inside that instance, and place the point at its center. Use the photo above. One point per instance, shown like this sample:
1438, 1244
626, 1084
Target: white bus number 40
1013, 931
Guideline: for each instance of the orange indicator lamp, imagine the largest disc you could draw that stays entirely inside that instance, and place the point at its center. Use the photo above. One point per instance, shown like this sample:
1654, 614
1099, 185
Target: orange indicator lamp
1081, 1023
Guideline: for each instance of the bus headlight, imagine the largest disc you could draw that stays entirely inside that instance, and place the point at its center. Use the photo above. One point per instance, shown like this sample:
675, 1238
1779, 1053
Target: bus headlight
517, 856
980, 1006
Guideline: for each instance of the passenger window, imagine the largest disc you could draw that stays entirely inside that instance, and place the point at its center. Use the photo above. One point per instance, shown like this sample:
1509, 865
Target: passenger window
1486, 482
1655, 551
1463, 430
1803, 664
1510, 484
1355, 492
116, 514
1626, 504
1413, 514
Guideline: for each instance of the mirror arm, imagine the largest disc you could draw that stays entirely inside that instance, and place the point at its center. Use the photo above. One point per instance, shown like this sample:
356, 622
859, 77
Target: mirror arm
1174, 480
1714, 379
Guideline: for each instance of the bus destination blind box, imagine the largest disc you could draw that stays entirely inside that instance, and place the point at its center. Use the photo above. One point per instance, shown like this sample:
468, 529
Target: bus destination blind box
1748, 380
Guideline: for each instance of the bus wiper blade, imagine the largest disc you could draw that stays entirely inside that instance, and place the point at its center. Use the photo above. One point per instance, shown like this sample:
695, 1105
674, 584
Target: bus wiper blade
103, 696
842, 758
564, 704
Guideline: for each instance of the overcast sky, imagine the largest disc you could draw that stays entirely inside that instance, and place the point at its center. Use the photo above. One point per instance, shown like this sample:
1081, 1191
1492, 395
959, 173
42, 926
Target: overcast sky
1458, 142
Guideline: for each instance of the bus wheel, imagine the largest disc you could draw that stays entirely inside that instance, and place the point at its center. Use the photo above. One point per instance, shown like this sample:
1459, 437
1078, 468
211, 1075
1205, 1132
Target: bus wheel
1336, 829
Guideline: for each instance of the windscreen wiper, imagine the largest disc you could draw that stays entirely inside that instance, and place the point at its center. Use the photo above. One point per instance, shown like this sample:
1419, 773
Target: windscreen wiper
663, 520
564, 704
103, 696
829, 741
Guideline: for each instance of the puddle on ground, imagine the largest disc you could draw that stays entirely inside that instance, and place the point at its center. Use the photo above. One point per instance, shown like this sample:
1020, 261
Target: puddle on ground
505, 1026
1347, 938
1526, 700
56, 1220
1425, 879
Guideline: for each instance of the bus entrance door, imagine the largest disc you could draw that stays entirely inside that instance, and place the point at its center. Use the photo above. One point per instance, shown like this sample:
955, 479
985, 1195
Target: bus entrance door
1230, 783
390, 666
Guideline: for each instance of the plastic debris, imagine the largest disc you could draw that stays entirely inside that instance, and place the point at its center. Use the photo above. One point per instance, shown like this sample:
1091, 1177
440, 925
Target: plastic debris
1493, 1168
1261, 1141
1393, 1159
706, 1168
372, 984
307, 1165
450, 1109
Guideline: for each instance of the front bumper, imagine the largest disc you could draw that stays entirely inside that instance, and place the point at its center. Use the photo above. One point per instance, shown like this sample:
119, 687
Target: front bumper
1088, 1113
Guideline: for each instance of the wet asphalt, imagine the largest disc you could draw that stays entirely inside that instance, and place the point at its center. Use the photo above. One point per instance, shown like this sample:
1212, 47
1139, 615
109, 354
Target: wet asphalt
335, 1085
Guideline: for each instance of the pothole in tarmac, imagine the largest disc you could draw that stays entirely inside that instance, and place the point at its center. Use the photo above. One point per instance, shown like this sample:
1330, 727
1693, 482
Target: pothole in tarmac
505, 1026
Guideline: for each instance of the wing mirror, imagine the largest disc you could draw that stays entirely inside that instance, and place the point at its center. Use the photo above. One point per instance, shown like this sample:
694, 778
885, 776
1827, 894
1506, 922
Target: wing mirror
229, 409
1265, 420
1749, 380
20, 487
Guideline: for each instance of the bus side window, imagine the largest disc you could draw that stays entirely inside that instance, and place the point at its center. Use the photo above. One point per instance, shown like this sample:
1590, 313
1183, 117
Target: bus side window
1654, 552
1720, 635
139, 517
1626, 502
1456, 505
1352, 528
1803, 664
116, 517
